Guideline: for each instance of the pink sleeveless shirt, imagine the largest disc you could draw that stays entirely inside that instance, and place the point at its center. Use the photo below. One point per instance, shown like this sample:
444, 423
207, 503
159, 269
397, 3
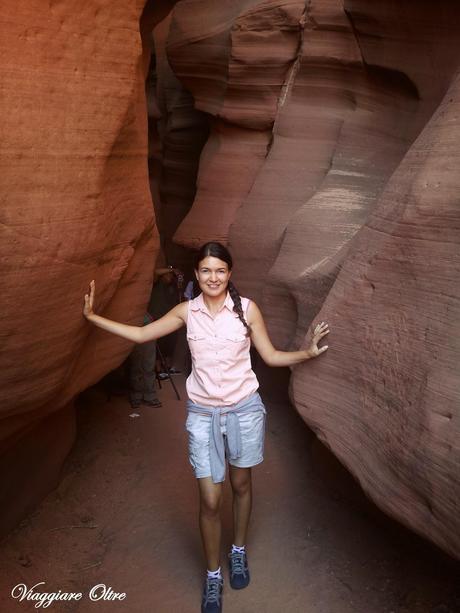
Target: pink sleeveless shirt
221, 366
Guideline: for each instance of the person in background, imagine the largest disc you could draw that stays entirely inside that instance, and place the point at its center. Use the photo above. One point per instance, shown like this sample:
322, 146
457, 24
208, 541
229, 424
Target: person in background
142, 360
141, 365
188, 292
165, 296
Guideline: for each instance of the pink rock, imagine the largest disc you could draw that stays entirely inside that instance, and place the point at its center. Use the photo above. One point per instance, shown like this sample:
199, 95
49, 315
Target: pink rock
234, 62
177, 134
330, 169
386, 397
359, 86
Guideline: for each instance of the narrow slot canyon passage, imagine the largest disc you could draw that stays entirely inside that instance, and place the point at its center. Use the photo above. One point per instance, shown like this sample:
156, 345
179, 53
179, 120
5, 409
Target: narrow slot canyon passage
318, 140
125, 515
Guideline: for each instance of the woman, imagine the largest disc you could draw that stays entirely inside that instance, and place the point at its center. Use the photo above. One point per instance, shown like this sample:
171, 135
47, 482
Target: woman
226, 416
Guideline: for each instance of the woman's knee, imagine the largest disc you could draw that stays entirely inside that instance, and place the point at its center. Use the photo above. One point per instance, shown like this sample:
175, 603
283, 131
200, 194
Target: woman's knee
210, 497
241, 481
210, 504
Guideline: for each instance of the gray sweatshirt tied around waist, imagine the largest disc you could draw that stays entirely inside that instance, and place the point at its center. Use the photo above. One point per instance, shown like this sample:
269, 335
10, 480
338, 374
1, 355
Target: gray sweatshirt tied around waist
216, 438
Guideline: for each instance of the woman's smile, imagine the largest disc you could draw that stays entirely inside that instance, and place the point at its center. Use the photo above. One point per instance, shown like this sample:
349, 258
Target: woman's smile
213, 275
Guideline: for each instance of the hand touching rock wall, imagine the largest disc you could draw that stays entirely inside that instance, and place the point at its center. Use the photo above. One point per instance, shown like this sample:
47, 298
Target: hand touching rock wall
75, 206
387, 399
335, 186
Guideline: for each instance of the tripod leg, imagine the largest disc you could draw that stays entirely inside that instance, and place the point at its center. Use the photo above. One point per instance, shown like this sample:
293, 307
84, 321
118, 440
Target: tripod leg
166, 370
174, 387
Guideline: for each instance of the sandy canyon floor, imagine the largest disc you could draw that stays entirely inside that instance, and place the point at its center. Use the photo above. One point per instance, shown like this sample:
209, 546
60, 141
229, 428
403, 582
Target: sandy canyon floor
125, 515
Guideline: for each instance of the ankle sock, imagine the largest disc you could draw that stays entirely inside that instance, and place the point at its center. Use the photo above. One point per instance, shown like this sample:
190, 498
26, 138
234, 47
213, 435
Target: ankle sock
236, 549
215, 574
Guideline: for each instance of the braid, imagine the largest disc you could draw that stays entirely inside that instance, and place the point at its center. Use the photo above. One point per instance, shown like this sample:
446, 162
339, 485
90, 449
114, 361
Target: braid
234, 295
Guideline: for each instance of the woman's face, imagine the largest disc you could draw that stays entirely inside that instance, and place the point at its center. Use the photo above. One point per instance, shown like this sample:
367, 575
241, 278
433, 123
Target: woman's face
213, 276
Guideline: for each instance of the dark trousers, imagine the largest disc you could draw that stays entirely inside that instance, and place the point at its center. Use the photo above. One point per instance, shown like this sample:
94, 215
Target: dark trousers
142, 372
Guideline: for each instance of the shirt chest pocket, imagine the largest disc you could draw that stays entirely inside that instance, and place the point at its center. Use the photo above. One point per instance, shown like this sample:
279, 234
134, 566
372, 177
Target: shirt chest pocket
197, 343
234, 344
227, 345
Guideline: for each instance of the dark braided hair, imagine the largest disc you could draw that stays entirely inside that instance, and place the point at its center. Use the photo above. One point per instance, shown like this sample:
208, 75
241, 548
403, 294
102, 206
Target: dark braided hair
217, 250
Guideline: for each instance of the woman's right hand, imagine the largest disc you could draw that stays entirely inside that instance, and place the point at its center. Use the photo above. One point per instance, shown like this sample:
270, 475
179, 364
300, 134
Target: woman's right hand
89, 300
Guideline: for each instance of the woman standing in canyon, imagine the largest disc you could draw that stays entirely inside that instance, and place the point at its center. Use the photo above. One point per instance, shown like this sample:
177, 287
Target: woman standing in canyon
226, 415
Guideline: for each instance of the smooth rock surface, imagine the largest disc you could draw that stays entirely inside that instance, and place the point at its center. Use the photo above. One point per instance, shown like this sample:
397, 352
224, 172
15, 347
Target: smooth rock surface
234, 62
177, 134
75, 206
299, 184
386, 399
331, 169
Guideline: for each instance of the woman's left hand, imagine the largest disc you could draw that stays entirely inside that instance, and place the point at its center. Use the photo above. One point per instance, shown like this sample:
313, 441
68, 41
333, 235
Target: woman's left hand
318, 332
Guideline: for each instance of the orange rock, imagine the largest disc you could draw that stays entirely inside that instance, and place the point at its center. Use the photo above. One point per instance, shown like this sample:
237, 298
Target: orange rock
76, 206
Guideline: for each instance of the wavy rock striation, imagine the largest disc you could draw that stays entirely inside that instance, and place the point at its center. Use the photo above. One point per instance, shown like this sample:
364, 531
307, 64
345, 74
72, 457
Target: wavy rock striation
177, 134
331, 172
248, 47
331, 169
75, 206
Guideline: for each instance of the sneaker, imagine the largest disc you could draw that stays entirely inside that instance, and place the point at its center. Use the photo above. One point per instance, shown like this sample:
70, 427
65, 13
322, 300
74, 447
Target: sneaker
212, 595
239, 571
152, 403
170, 373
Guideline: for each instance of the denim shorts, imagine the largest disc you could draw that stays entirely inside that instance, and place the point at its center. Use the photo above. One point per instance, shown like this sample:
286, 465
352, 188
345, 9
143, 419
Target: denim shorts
252, 427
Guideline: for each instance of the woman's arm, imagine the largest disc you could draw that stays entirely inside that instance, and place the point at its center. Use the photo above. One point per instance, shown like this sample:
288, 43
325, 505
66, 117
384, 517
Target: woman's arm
270, 355
172, 321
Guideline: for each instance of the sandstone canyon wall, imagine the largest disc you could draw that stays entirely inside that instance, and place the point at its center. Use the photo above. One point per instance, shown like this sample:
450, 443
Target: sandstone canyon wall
75, 206
177, 134
331, 170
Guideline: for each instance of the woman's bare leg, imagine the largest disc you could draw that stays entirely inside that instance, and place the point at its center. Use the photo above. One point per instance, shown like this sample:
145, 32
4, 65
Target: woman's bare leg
210, 523
240, 479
